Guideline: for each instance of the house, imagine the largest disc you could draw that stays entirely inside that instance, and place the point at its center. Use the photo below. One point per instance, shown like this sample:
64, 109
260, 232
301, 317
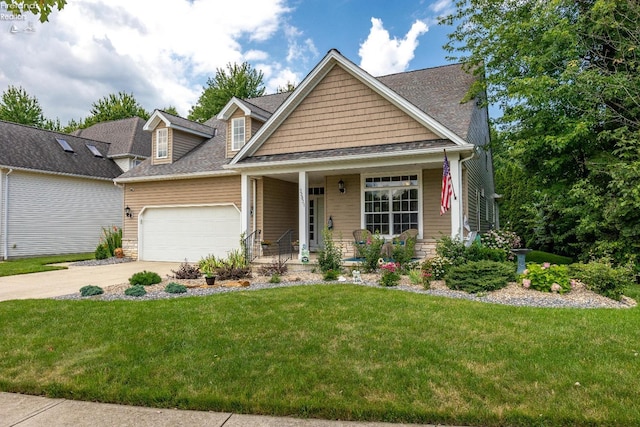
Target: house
56, 192
344, 146
129, 144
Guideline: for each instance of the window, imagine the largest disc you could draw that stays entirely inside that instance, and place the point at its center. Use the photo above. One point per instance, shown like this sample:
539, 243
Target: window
94, 150
237, 135
65, 145
391, 204
162, 143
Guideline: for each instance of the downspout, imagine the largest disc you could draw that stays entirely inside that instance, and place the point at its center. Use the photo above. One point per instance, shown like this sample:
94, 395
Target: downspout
461, 213
5, 215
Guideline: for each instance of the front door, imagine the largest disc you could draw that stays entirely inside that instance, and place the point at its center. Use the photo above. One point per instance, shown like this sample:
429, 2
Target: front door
316, 220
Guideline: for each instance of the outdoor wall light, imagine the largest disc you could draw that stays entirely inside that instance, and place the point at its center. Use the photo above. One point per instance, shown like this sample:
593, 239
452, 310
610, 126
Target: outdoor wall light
341, 187
127, 212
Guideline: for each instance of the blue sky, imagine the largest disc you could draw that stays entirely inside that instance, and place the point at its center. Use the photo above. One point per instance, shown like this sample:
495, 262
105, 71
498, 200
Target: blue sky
163, 52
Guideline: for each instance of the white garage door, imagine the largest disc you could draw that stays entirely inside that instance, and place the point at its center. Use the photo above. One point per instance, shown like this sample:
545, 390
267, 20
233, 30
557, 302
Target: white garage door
179, 233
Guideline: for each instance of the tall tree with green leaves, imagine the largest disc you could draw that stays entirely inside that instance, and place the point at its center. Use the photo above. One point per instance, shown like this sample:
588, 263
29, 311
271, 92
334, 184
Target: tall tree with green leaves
40, 8
114, 107
566, 76
18, 106
241, 81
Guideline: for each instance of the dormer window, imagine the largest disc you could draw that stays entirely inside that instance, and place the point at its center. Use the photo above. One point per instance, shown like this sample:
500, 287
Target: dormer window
237, 135
162, 143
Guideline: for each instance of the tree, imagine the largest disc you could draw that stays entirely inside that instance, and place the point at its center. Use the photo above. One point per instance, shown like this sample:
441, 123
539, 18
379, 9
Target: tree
115, 107
171, 110
289, 87
40, 8
566, 76
19, 107
240, 81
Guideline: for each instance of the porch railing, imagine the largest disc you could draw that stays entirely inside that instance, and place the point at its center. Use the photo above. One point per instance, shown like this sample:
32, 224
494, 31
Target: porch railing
252, 246
285, 247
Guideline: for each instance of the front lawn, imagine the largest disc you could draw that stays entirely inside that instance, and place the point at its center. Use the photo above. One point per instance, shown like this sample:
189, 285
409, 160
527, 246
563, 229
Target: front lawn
36, 265
332, 351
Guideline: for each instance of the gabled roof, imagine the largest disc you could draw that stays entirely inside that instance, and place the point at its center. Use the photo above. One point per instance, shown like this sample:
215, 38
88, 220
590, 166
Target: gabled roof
248, 109
179, 123
126, 136
335, 58
28, 148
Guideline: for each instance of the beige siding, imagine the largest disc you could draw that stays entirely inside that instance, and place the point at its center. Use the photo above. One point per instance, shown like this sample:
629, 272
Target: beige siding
182, 143
342, 112
279, 208
154, 159
344, 209
178, 192
434, 223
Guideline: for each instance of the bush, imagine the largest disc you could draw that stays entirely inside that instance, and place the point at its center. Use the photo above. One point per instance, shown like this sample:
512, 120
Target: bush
101, 252
90, 290
501, 240
452, 249
547, 277
275, 278
602, 278
435, 268
542, 257
135, 291
187, 271
175, 288
232, 268
330, 256
330, 275
111, 239
390, 274
275, 267
480, 276
370, 251
403, 254
145, 278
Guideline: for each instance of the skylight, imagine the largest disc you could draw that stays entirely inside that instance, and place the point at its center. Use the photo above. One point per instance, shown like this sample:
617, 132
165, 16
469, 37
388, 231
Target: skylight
65, 145
94, 150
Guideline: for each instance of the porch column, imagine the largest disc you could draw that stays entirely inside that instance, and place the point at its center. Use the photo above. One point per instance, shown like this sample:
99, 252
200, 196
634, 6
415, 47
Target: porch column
245, 200
456, 203
303, 215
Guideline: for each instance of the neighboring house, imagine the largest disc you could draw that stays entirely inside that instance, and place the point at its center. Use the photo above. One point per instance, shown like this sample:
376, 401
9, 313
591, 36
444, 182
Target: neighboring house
129, 143
56, 192
362, 151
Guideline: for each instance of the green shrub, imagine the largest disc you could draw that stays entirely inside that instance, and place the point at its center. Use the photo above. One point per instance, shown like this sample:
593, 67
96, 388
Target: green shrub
602, 278
330, 255
416, 276
135, 291
480, 276
370, 252
541, 257
452, 249
101, 252
331, 275
403, 254
390, 274
111, 239
501, 240
547, 277
477, 252
175, 288
275, 278
435, 268
232, 268
145, 278
90, 290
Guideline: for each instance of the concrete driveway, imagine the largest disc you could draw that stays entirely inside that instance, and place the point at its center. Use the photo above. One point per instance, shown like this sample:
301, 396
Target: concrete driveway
63, 282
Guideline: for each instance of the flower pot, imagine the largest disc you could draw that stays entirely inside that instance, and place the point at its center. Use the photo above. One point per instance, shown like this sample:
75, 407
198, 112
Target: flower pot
210, 280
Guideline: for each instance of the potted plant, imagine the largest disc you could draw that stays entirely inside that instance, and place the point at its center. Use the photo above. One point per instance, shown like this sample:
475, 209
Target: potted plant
296, 245
208, 266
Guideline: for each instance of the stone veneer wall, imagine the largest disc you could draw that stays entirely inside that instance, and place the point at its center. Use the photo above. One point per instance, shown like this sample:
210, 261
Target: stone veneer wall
425, 248
130, 248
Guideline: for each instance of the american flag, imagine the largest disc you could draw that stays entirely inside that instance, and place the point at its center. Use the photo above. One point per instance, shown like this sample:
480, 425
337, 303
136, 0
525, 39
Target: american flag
447, 187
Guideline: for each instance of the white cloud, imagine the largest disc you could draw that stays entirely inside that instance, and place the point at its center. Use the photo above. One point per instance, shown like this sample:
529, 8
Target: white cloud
160, 51
380, 54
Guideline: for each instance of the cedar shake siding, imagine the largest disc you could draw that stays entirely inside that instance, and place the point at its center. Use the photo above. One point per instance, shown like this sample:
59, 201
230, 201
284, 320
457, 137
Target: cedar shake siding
201, 191
344, 209
343, 112
279, 208
435, 225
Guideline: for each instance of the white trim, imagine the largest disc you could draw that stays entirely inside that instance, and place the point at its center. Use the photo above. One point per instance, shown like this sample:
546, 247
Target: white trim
208, 174
96, 178
420, 187
236, 145
158, 117
234, 104
303, 211
332, 59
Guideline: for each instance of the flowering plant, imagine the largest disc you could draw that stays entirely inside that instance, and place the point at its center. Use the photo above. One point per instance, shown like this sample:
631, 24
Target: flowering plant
437, 267
504, 240
390, 275
546, 278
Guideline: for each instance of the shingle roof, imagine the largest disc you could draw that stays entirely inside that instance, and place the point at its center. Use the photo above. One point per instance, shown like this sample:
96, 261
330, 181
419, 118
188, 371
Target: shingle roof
27, 147
438, 92
269, 103
187, 124
126, 136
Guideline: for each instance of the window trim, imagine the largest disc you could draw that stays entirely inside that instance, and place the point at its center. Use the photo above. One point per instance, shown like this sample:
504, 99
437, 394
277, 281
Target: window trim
164, 134
419, 187
235, 144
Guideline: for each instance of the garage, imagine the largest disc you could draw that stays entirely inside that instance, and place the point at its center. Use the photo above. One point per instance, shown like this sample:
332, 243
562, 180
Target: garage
176, 233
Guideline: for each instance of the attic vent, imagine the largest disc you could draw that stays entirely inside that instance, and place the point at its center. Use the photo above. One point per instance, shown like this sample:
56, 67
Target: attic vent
94, 150
65, 145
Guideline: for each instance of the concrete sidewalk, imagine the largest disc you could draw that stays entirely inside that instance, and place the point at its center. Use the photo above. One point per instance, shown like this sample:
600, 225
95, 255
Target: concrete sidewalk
63, 282
29, 411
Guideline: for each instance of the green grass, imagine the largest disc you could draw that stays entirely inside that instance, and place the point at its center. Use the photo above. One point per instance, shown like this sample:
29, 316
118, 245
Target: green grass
541, 256
332, 351
36, 265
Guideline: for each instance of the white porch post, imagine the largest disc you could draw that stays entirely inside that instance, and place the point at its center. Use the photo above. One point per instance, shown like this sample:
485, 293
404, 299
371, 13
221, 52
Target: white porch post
456, 203
245, 200
303, 215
